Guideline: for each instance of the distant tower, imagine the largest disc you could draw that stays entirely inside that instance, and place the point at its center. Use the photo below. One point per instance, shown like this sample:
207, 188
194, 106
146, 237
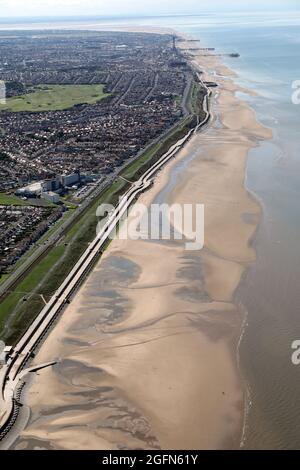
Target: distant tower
174, 43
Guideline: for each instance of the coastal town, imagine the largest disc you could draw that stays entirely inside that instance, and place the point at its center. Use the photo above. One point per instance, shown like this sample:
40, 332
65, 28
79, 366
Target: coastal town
149, 230
143, 82
78, 106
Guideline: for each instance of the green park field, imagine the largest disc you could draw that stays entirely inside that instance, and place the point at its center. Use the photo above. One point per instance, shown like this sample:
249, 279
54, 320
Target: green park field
11, 200
54, 98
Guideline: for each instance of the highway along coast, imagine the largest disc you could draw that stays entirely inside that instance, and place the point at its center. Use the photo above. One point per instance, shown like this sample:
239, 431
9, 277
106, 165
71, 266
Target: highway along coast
131, 181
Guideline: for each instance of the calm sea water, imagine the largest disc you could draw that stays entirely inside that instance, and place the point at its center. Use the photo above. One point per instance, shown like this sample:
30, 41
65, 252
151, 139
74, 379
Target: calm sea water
270, 61
269, 44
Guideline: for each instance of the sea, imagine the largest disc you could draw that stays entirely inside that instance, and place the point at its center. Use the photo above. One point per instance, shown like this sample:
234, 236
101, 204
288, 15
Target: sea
269, 65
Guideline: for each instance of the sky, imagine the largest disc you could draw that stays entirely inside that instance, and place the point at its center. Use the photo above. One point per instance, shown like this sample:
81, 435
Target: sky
19, 8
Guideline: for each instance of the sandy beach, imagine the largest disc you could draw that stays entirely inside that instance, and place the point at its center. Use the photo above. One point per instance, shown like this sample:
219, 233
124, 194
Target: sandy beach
147, 351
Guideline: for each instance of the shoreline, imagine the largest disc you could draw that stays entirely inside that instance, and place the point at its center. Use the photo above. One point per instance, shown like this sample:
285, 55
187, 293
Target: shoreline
252, 243
219, 298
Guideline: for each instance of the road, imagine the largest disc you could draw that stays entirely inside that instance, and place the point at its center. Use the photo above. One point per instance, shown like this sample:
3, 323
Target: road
13, 373
9, 284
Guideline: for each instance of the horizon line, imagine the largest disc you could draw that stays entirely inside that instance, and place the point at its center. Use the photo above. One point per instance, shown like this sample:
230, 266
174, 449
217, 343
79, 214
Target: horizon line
141, 15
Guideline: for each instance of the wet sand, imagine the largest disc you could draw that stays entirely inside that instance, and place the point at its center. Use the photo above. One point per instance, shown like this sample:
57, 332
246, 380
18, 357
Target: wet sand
147, 350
